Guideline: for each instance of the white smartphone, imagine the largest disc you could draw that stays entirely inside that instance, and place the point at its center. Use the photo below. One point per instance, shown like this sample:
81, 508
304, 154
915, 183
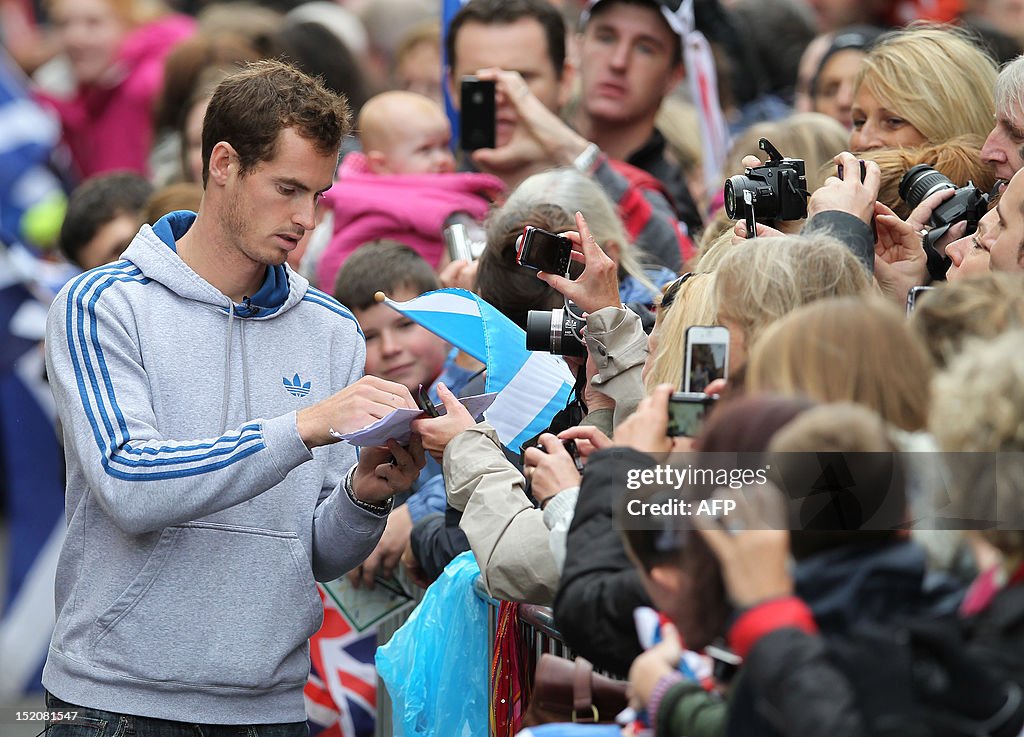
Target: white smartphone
707, 356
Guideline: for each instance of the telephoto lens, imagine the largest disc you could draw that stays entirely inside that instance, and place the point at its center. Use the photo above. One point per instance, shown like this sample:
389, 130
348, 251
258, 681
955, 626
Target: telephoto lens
921, 182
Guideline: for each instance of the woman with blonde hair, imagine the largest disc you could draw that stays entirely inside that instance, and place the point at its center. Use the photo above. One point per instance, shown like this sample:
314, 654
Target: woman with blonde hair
691, 304
844, 350
925, 84
757, 284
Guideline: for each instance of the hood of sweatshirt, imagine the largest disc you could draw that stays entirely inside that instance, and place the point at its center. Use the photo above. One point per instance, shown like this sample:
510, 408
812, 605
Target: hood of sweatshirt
154, 252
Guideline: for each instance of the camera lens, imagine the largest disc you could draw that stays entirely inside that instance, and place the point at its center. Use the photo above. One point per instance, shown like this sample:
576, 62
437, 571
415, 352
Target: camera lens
920, 182
538, 330
734, 187
555, 331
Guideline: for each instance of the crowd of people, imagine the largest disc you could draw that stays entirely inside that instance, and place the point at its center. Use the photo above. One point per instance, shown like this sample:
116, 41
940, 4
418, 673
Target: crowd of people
228, 188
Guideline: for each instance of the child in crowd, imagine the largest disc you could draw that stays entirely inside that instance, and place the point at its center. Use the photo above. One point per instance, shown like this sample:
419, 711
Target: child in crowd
399, 350
104, 214
403, 185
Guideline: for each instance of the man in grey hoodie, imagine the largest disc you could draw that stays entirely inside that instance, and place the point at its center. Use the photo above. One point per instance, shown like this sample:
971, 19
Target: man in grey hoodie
199, 381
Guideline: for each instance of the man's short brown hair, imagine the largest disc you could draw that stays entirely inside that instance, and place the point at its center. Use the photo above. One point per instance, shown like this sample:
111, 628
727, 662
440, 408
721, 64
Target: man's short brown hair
251, 107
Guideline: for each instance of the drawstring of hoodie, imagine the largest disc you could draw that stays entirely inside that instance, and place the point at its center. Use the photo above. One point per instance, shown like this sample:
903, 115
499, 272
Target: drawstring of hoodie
227, 369
245, 373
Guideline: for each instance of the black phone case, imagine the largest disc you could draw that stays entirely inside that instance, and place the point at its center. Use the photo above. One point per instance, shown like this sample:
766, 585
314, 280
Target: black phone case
477, 122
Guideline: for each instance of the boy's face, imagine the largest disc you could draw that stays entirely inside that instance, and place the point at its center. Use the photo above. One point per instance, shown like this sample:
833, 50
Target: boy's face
422, 146
397, 349
110, 241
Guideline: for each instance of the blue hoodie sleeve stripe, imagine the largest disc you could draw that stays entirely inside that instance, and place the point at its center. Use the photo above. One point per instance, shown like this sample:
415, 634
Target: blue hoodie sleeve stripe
315, 296
100, 402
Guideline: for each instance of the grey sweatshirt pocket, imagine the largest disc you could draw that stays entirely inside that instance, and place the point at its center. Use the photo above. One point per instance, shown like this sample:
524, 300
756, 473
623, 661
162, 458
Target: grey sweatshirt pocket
215, 605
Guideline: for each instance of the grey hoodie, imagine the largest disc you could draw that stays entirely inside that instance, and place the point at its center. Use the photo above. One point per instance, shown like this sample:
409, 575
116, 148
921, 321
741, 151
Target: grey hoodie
197, 518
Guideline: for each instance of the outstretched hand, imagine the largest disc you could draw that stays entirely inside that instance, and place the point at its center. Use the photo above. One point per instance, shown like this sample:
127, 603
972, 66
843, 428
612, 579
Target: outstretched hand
598, 285
437, 432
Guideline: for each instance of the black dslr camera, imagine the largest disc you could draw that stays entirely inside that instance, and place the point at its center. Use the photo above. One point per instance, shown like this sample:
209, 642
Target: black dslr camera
558, 331
967, 204
776, 190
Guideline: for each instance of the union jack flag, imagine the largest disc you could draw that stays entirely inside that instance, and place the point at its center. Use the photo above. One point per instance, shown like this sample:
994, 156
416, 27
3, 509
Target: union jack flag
341, 694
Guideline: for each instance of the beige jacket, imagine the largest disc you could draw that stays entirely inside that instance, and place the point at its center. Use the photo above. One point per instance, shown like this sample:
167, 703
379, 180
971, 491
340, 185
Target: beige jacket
618, 343
506, 532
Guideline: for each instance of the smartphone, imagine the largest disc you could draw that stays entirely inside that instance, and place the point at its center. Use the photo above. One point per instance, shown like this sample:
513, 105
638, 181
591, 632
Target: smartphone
422, 400
686, 412
706, 358
477, 121
538, 249
913, 295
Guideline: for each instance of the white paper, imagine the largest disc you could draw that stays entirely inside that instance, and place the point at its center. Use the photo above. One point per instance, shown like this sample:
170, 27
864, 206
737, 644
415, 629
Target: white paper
395, 426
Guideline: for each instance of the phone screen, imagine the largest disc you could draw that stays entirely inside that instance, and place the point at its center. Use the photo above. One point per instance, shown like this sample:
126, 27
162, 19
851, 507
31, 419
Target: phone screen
477, 120
707, 357
686, 412
544, 251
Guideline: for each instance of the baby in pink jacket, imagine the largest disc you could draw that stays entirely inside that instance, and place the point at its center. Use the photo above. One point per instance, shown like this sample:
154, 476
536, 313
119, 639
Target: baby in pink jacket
403, 186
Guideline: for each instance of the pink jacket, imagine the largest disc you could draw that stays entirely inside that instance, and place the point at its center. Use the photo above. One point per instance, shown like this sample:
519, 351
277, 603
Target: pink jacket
409, 208
110, 126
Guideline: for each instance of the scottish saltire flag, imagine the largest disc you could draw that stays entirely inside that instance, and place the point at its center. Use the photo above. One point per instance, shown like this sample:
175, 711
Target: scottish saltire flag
31, 481
532, 387
341, 693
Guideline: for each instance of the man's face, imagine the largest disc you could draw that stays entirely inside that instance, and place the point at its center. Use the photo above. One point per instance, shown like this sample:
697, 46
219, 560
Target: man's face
269, 209
520, 46
1004, 147
628, 63
1001, 231
398, 349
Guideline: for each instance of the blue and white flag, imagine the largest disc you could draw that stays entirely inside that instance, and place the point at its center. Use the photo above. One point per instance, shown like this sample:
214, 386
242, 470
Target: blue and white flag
532, 387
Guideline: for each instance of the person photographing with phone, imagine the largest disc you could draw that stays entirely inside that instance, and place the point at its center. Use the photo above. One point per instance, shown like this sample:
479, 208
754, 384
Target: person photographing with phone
519, 47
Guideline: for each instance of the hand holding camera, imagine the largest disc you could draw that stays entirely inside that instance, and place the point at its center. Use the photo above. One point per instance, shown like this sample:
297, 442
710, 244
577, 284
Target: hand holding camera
540, 135
751, 543
552, 466
775, 190
849, 191
588, 439
598, 285
900, 262
646, 429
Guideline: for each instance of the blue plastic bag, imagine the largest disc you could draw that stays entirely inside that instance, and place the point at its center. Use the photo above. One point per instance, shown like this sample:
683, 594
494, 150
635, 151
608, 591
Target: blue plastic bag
435, 666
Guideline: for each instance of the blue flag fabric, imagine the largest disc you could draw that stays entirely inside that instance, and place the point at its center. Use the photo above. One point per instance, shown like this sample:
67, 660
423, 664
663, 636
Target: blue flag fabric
532, 387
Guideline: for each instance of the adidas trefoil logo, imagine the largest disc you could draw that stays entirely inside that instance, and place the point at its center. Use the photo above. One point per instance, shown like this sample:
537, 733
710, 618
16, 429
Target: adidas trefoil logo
295, 387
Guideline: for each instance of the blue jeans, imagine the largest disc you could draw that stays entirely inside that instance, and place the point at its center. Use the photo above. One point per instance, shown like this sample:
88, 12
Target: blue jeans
97, 723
